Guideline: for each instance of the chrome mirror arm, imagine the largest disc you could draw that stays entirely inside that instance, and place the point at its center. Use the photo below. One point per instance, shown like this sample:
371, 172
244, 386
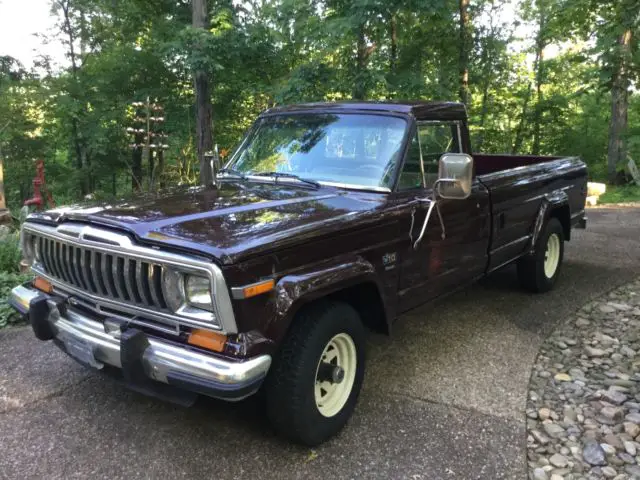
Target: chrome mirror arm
433, 203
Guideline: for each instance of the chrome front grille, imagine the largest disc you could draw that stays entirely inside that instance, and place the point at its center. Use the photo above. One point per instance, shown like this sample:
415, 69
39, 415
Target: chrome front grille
106, 271
117, 277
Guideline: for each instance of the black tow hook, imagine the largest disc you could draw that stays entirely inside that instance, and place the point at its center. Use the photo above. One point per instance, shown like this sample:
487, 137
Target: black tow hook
328, 372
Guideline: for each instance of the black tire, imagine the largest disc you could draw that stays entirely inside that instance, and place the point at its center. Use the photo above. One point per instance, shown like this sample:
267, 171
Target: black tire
289, 388
531, 268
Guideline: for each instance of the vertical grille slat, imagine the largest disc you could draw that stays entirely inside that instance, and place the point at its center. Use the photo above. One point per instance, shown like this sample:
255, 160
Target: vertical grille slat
143, 284
155, 285
71, 256
130, 280
105, 269
85, 265
75, 261
54, 259
96, 271
51, 253
60, 260
61, 252
117, 268
42, 250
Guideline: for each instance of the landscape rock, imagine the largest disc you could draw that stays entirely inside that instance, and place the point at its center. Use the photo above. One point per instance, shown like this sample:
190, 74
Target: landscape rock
559, 461
593, 453
583, 409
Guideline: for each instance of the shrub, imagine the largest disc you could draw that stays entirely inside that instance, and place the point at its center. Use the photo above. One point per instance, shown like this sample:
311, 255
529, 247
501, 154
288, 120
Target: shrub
7, 281
10, 275
10, 253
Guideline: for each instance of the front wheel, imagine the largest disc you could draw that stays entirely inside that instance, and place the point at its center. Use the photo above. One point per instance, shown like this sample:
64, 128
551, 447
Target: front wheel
538, 272
313, 386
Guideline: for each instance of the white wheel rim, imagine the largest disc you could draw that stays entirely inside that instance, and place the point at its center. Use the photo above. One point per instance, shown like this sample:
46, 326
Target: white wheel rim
552, 255
331, 397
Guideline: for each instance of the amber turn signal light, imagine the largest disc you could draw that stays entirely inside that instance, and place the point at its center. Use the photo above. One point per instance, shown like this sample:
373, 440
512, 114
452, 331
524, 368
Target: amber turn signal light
43, 285
258, 288
207, 339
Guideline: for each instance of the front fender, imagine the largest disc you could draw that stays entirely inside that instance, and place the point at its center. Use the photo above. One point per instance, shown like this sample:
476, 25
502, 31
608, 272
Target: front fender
294, 290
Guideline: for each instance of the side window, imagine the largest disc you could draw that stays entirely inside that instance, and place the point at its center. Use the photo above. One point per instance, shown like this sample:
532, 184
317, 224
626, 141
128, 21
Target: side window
435, 139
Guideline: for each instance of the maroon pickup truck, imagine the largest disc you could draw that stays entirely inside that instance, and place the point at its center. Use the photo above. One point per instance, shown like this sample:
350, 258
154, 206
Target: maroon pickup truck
328, 220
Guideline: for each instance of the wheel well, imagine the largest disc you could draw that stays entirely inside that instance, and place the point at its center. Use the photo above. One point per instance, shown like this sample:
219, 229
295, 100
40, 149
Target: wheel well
366, 299
564, 217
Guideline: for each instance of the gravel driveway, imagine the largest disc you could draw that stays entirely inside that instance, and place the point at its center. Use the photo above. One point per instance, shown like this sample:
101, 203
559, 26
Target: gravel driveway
444, 399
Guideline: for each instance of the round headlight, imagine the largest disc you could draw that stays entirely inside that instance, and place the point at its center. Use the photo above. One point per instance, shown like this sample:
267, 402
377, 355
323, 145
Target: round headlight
173, 288
198, 292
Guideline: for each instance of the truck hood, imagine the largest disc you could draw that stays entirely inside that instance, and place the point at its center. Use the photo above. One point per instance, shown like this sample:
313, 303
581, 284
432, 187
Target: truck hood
232, 221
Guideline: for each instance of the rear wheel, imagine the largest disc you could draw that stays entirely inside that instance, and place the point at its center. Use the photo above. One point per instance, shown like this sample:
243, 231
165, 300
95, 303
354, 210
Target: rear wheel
538, 272
314, 383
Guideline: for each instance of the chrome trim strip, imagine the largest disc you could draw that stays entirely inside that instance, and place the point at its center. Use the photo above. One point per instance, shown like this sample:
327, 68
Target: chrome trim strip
510, 244
160, 359
122, 245
577, 214
354, 187
263, 178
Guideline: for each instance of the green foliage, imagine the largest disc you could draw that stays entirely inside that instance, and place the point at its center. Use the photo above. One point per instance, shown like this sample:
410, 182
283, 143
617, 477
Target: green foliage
10, 254
266, 52
10, 276
8, 315
621, 194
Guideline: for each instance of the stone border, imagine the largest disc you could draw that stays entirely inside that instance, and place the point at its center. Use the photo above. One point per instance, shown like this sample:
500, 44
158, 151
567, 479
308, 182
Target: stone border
583, 409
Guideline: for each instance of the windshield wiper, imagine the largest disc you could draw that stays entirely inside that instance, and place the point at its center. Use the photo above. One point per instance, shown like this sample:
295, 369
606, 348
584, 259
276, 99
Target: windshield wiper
277, 175
231, 171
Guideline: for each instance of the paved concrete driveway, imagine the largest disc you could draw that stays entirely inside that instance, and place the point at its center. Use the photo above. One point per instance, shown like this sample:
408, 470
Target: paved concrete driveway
444, 399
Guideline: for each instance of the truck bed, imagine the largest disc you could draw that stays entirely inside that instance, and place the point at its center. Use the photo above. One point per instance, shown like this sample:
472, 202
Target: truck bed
518, 185
485, 163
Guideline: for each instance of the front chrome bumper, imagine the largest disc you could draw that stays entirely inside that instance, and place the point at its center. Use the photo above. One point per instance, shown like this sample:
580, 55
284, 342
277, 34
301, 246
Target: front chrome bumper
140, 357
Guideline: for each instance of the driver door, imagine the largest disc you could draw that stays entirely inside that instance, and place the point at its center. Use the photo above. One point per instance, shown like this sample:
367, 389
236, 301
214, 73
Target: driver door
439, 263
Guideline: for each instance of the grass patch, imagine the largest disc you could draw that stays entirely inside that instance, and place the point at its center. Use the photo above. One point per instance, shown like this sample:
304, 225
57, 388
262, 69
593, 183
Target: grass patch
621, 194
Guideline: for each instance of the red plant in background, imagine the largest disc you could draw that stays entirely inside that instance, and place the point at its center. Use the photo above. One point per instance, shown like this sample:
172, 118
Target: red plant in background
39, 186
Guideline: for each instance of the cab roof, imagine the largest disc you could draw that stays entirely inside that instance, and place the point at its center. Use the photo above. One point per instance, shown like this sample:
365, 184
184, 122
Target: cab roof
421, 110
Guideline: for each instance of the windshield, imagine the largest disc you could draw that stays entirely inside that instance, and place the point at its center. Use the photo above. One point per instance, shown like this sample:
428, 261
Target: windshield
354, 150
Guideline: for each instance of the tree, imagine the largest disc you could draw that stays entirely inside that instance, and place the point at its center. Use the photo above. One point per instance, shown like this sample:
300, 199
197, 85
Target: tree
626, 18
465, 37
204, 109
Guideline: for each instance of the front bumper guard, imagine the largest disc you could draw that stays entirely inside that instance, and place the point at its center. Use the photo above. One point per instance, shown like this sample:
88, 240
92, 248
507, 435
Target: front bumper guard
141, 358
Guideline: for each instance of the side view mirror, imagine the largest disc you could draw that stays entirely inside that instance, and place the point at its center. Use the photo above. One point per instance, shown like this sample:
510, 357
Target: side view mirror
455, 176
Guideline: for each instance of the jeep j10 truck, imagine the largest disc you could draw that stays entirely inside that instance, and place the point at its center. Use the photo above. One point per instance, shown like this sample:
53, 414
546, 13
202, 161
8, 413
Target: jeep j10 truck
329, 219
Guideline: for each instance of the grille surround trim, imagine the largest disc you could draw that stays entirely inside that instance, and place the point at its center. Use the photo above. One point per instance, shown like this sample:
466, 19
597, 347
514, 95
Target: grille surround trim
85, 237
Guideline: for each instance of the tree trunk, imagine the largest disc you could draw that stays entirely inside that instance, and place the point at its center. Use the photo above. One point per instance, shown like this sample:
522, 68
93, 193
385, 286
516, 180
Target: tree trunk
517, 144
136, 164
465, 38
204, 109
539, 65
393, 32
160, 168
617, 148
359, 88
